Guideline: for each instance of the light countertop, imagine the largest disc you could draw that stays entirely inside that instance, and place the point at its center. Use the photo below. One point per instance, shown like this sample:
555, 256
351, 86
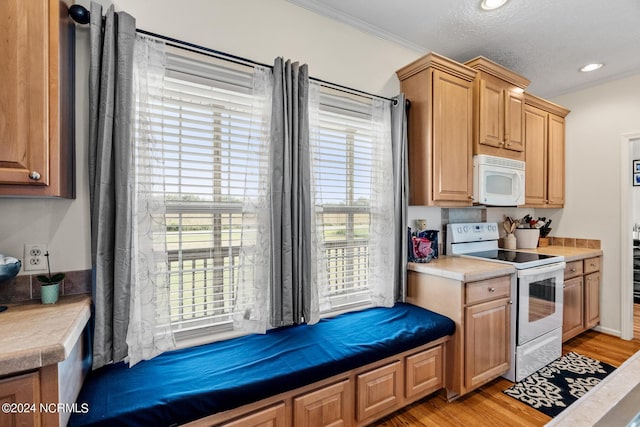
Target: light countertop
569, 253
462, 269
33, 335
471, 270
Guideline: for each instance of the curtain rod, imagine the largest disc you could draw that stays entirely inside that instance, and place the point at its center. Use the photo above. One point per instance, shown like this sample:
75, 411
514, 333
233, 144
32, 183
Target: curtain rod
82, 16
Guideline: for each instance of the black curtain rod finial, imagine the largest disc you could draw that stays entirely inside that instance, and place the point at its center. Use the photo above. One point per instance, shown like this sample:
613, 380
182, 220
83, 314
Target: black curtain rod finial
79, 13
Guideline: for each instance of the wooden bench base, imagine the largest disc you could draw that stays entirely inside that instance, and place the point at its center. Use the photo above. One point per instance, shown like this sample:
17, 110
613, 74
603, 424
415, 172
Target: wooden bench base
354, 398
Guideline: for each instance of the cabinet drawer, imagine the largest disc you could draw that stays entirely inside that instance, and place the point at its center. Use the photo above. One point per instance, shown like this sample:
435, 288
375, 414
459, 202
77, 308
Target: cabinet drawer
379, 391
328, 406
591, 265
423, 372
487, 290
573, 269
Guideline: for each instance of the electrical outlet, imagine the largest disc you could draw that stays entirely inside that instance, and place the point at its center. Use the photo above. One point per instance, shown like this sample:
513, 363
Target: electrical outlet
34, 259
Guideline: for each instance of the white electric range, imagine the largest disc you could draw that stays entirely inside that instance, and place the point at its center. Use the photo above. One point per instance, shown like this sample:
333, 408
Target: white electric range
536, 290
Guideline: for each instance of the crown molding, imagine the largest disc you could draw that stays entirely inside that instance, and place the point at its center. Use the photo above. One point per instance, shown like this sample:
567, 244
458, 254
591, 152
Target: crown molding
329, 12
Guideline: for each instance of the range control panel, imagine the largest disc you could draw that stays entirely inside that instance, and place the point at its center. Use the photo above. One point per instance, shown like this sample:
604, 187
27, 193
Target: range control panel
472, 232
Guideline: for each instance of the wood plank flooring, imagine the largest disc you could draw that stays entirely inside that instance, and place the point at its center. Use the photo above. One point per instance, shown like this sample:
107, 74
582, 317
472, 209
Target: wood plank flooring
489, 406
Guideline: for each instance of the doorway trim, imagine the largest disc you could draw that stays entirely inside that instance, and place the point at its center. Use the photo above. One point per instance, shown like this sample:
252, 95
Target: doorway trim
626, 239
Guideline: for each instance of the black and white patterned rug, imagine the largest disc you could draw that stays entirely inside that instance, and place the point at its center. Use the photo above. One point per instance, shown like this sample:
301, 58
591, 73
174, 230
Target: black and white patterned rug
553, 388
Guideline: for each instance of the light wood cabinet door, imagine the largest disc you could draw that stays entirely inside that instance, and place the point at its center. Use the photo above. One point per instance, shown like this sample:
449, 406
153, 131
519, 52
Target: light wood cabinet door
20, 390
514, 120
37, 98
535, 121
572, 308
501, 115
327, 407
274, 416
379, 391
452, 138
423, 372
555, 162
487, 352
592, 300
491, 113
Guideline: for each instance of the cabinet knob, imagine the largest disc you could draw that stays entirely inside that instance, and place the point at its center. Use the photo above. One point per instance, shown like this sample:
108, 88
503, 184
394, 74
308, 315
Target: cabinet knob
470, 197
492, 289
510, 302
573, 270
592, 265
34, 175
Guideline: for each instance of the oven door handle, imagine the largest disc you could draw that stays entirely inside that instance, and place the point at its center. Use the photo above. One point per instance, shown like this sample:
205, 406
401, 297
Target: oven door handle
542, 270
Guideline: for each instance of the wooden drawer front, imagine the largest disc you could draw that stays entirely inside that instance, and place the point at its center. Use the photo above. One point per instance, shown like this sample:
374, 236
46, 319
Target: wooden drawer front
573, 269
424, 372
379, 390
274, 416
591, 265
327, 407
487, 290
22, 389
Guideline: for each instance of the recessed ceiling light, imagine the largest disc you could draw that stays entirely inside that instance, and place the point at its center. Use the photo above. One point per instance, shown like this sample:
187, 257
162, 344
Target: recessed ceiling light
492, 4
591, 67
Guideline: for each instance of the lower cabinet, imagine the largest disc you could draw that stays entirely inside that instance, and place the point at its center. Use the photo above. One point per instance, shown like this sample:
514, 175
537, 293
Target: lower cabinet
572, 311
592, 300
34, 394
328, 406
20, 390
273, 416
479, 350
356, 398
581, 306
379, 390
486, 341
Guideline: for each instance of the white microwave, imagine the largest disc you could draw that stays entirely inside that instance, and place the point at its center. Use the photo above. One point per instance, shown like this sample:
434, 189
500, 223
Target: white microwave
498, 181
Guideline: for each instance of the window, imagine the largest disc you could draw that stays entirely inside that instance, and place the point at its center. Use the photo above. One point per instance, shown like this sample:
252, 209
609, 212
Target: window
213, 156
346, 147
210, 126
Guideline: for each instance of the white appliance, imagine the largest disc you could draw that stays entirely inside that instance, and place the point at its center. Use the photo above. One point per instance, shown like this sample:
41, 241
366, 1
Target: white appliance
498, 181
536, 291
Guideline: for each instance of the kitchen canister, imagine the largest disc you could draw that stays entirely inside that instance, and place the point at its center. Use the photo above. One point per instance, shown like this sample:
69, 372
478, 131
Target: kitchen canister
510, 241
527, 238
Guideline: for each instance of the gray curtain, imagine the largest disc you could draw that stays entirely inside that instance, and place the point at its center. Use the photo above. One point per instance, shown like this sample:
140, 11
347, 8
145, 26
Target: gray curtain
401, 190
110, 114
290, 201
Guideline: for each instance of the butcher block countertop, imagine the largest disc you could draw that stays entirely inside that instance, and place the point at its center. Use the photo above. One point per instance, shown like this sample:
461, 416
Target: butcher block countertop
33, 335
462, 269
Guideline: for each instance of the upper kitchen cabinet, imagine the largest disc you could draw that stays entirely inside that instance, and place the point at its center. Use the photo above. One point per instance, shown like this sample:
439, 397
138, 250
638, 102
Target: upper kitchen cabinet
37, 99
499, 110
440, 130
544, 153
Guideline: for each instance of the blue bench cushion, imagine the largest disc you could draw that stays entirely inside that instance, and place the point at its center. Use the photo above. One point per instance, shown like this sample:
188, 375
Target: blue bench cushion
184, 385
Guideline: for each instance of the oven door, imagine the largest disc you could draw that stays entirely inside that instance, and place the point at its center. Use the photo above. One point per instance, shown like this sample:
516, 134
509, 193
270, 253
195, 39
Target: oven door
540, 295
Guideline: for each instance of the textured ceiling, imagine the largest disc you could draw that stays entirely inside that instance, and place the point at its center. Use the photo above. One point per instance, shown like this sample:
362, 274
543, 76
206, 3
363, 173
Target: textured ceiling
546, 41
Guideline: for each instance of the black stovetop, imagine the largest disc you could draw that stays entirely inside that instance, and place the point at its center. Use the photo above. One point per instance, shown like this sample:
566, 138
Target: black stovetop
510, 256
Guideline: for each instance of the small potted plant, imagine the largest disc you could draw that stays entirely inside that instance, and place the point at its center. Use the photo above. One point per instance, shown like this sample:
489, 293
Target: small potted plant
50, 285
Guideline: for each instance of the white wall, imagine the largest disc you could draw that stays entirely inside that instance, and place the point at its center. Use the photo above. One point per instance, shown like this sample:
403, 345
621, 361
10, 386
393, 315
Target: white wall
264, 29
257, 29
599, 117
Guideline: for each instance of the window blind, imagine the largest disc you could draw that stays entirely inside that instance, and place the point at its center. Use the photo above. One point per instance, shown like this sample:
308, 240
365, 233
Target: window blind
212, 159
343, 166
